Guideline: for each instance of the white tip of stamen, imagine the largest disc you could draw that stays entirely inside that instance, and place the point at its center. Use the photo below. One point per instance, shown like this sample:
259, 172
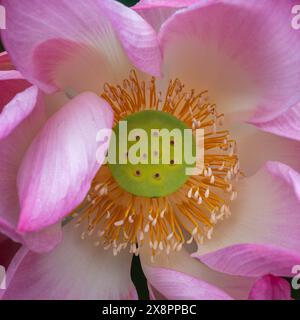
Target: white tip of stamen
130, 219
190, 240
147, 227
229, 175
196, 195
141, 236
213, 218
170, 236
100, 233
220, 216
119, 223
108, 215
236, 168
190, 193
154, 222
134, 248
162, 214
206, 193
233, 196
103, 191
97, 187
200, 200
150, 217
194, 232
212, 179
222, 166
161, 246
82, 236
179, 247
209, 172
209, 233
168, 250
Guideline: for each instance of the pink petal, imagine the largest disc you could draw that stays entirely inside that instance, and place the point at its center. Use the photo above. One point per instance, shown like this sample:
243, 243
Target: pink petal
60, 164
74, 270
164, 3
96, 26
17, 110
271, 288
12, 150
163, 272
11, 83
262, 235
264, 146
285, 125
251, 260
238, 51
179, 286
156, 12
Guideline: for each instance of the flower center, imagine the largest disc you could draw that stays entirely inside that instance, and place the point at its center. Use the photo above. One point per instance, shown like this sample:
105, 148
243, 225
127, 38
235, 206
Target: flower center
152, 163
157, 204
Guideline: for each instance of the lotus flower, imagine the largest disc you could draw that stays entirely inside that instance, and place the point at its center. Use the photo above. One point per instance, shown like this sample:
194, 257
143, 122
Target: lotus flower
229, 67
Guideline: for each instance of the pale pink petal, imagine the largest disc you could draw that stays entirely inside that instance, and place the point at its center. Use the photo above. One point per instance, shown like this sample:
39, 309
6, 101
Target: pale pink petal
176, 285
251, 260
75, 270
156, 12
164, 3
262, 234
286, 125
60, 164
255, 147
188, 269
12, 150
46, 41
17, 110
45, 240
11, 83
271, 288
245, 53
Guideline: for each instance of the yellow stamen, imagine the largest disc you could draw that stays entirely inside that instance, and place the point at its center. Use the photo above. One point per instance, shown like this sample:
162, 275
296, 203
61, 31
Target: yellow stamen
120, 219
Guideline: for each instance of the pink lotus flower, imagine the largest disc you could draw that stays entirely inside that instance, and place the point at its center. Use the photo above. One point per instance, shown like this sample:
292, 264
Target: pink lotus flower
71, 57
